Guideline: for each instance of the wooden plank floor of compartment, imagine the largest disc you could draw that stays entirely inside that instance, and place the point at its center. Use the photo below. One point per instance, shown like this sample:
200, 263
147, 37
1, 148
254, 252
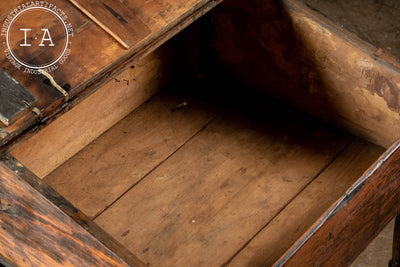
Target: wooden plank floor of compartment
279, 234
106, 168
208, 199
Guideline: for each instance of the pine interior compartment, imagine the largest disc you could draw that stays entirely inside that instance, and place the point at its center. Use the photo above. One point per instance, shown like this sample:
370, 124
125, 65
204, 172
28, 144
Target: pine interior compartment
190, 179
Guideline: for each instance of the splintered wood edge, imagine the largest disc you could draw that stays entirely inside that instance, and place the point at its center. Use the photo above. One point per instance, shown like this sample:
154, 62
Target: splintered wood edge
100, 24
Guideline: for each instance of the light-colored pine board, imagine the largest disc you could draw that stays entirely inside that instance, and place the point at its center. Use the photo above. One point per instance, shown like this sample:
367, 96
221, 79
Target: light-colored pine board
70, 133
107, 167
207, 200
269, 245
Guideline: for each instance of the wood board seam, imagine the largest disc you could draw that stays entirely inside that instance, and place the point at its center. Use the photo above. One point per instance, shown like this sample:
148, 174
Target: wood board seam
157, 166
351, 141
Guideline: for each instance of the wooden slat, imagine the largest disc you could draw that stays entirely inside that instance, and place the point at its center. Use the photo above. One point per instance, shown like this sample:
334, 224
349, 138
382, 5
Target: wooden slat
343, 231
124, 92
14, 99
210, 197
33, 232
305, 60
277, 237
128, 151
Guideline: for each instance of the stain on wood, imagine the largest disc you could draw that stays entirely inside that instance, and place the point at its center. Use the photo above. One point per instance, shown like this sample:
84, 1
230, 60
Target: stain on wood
15, 100
295, 54
34, 232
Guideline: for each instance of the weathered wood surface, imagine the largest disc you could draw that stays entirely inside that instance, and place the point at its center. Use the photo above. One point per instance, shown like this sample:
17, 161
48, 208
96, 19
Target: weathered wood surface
203, 203
296, 55
33, 232
288, 226
66, 206
354, 220
15, 100
376, 22
55, 144
104, 55
103, 171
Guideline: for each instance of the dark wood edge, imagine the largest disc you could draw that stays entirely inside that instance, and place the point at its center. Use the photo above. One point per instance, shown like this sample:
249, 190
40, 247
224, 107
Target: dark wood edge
395, 261
35, 123
67, 207
382, 57
372, 190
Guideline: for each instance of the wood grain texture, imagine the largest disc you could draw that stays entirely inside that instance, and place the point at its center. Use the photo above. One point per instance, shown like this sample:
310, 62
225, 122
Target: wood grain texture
104, 56
288, 226
343, 231
33, 232
132, 21
209, 198
64, 205
109, 166
374, 21
74, 130
304, 59
14, 99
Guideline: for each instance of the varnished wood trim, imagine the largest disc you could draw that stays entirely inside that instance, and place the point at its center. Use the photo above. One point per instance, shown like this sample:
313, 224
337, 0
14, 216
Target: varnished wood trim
80, 218
354, 220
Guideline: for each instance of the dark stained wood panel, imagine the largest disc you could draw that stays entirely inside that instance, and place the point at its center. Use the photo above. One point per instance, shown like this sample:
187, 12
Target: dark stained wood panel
66, 206
209, 198
14, 99
34, 232
288, 226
